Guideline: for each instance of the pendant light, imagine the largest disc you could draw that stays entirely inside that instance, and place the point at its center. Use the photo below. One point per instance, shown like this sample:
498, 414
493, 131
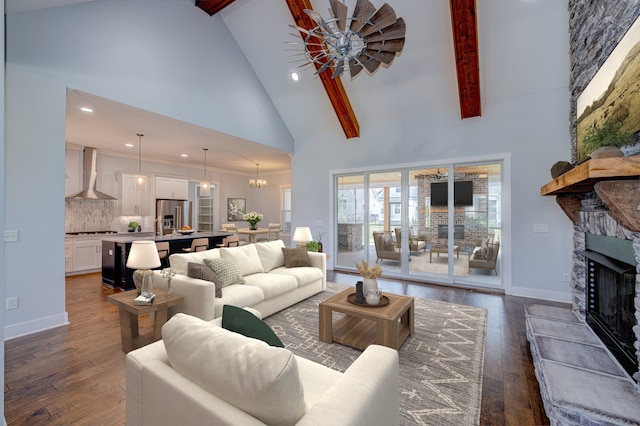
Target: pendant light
205, 186
257, 182
141, 180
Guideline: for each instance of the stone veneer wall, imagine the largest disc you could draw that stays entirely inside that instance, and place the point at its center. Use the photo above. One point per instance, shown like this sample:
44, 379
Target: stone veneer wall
595, 219
595, 28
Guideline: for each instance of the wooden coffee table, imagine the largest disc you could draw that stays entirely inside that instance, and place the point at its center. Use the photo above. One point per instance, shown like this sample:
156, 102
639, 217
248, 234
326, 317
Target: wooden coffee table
129, 314
362, 326
443, 249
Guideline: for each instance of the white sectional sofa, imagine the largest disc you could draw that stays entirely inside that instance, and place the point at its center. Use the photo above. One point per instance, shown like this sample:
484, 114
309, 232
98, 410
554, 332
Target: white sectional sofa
202, 374
268, 285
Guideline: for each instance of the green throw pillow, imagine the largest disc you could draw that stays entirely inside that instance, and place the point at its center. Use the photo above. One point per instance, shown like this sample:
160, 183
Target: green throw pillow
226, 270
244, 322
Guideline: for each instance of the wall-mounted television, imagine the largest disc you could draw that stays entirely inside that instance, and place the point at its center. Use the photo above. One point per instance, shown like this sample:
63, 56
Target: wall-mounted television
462, 193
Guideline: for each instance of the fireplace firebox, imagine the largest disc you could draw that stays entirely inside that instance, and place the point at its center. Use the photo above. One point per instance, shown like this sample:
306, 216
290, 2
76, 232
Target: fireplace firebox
611, 288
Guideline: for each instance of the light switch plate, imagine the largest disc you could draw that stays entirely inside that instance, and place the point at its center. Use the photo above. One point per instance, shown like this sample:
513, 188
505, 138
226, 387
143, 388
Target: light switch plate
11, 236
540, 227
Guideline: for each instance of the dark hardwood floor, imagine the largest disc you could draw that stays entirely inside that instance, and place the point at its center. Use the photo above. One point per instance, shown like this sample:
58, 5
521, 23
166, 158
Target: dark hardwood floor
76, 374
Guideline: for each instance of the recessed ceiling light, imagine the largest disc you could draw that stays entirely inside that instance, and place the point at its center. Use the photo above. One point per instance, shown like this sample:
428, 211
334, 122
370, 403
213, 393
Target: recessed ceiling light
86, 109
295, 76
184, 155
128, 145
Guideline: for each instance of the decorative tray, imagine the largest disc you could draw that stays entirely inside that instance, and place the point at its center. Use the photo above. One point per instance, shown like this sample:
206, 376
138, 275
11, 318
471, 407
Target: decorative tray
384, 301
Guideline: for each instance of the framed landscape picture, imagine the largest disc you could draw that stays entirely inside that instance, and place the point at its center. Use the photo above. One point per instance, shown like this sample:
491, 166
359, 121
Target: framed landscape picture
610, 104
236, 208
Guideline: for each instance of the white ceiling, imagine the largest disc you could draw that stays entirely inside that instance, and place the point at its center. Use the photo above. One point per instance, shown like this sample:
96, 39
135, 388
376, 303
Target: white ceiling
421, 80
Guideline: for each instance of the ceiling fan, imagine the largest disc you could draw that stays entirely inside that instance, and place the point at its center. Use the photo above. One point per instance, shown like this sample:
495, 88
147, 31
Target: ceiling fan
366, 40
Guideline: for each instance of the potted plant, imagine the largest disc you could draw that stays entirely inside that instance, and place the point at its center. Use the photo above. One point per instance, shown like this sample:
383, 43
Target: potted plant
606, 140
133, 226
320, 234
370, 276
312, 246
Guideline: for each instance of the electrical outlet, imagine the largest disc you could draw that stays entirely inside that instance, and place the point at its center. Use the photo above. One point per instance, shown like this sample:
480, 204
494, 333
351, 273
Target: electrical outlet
11, 236
540, 227
12, 303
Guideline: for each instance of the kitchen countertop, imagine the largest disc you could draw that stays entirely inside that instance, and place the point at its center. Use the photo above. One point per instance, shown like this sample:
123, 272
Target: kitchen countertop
131, 236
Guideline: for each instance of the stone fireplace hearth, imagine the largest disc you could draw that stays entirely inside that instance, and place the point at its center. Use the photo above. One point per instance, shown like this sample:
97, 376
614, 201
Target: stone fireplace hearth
581, 380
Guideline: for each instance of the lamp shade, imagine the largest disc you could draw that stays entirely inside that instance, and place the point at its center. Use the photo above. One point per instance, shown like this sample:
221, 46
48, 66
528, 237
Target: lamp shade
143, 255
302, 234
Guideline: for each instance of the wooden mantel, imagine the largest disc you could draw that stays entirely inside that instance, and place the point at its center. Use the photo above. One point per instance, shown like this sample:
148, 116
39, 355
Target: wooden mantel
583, 177
615, 181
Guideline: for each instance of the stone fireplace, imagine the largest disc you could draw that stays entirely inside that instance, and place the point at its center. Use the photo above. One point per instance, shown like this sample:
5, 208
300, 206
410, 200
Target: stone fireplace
586, 356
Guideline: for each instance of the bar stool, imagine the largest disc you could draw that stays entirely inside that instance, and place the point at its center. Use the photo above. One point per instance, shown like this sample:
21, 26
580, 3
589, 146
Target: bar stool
199, 244
163, 253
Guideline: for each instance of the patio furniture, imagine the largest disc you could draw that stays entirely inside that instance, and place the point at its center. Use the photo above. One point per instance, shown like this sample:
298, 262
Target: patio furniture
485, 258
415, 243
385, 247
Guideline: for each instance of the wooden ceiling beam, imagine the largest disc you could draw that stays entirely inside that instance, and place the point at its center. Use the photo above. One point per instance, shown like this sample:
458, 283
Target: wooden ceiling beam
213, 6
333, 86
465, 40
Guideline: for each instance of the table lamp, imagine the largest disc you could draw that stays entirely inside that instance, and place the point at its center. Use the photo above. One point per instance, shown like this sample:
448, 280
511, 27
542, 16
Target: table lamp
143, 256
302, 236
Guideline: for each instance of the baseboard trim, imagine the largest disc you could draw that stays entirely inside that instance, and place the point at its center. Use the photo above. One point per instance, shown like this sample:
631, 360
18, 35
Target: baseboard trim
30, 327
554, 296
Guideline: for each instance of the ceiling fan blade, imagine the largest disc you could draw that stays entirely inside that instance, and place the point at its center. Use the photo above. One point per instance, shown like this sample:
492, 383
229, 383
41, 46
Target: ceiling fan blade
324, 67
338, 70
363, 11
340, 13
384, 57
354, 67
384, 17
391, 32
387, 45
371, 64
318, 19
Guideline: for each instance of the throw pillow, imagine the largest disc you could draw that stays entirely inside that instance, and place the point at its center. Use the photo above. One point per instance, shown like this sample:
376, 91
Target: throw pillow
296, 257
226, 271
244, 322
246, 258
203, 272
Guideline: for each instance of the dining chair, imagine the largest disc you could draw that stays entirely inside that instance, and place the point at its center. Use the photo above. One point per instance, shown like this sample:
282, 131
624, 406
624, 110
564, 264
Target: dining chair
163, 253
231, 227
198, 244
274, 233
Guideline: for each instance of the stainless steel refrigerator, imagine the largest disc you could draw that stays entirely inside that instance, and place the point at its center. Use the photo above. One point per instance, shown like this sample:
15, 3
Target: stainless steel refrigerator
172, 214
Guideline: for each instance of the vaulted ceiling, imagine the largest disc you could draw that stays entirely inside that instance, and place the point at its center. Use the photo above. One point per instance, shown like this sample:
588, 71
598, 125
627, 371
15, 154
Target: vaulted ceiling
431, 75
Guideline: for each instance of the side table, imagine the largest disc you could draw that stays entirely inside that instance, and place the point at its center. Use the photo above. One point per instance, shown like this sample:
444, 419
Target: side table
129, 314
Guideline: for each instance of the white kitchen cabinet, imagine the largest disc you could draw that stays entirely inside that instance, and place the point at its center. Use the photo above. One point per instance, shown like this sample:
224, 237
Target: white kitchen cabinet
172, 188
86, 254
68, 255
134, 201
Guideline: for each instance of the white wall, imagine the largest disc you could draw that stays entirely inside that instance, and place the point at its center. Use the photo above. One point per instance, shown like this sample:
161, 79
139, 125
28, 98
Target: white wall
2, 202
525, 114
168, 57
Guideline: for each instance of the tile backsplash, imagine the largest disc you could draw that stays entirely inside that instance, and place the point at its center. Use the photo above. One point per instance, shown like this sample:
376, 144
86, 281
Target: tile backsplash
90, 215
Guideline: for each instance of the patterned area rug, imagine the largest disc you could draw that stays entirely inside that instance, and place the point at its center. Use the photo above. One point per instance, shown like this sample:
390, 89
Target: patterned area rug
440, 365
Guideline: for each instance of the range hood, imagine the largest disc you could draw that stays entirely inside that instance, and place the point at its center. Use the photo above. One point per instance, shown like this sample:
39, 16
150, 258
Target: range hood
90, 173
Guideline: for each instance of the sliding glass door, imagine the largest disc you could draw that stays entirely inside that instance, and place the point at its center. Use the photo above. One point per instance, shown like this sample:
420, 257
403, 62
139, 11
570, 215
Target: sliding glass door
440, 224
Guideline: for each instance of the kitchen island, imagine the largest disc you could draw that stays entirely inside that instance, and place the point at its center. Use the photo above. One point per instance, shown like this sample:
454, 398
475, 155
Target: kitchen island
115, 251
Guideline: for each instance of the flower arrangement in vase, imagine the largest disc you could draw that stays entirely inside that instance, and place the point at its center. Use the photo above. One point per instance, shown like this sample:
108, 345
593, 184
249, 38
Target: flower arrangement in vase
370, 276
253, 218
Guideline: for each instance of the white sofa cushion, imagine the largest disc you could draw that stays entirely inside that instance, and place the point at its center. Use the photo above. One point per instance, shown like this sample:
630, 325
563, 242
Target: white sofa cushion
246, 258
179, 261
257, 378
271, 254
303, 275
272, 285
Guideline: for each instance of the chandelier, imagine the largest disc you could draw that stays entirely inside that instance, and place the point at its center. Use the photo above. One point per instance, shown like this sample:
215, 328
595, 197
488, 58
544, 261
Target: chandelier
365, 40
257, 182
205, 186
